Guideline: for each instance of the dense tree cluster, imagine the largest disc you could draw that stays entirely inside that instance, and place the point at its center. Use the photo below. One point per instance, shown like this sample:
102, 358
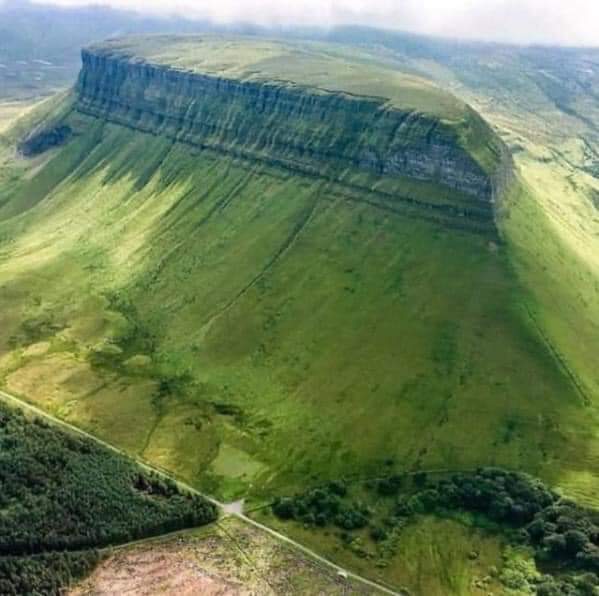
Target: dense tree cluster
323, 506
44, 574
568, 532
558, 528
504, 496
60, 492
584, 584
564, 535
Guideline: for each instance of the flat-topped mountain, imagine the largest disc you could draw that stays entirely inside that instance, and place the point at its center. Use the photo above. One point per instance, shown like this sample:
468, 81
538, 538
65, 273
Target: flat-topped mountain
304, 107
319, 67
265, 266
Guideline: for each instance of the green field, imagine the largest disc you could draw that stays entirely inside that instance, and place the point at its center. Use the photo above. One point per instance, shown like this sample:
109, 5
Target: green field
432, 556
282, 339
256, 331
318, 66
489, 529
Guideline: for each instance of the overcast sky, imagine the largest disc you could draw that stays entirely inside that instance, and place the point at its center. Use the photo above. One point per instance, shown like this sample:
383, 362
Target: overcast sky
523, 21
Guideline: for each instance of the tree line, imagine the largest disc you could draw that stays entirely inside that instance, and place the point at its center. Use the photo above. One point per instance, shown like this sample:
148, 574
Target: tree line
563, 535
63, 496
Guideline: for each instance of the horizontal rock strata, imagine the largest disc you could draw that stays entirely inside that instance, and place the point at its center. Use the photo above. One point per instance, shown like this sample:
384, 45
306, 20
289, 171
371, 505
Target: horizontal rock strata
307, 129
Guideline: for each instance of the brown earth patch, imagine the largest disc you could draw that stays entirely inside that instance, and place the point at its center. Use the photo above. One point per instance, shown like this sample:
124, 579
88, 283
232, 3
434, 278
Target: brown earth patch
231, 558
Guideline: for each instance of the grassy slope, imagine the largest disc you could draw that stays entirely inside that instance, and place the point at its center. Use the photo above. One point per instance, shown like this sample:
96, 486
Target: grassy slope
544, 104
403, 325
11, 111
436, 329
558, 259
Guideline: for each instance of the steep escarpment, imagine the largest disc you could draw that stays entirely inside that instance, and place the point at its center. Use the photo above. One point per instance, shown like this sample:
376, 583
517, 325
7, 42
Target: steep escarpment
359, 140
208, 271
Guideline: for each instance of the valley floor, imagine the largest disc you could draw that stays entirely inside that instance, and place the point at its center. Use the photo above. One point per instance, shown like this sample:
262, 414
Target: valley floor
242, 556
164, 564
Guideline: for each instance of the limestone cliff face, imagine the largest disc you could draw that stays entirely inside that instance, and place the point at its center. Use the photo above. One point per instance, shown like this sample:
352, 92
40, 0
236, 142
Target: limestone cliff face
318, 132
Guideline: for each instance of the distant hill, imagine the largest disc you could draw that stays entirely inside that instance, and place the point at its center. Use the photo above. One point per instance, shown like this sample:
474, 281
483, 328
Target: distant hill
40, 46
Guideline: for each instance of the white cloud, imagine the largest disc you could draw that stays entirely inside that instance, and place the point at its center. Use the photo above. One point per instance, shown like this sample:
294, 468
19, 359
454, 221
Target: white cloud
523, 21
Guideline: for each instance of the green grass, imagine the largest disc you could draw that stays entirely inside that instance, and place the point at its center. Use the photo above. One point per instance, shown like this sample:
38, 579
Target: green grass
333, 328
315, 65
431, 555
435, 556
304, 332
319, 69
11, 111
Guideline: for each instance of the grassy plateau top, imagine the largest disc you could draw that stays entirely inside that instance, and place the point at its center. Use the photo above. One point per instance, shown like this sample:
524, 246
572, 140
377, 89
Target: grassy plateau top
319, 67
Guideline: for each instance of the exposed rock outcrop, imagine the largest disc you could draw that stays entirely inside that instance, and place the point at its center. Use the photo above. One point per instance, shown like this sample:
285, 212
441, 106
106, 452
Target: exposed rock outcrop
41, 140
308, 129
